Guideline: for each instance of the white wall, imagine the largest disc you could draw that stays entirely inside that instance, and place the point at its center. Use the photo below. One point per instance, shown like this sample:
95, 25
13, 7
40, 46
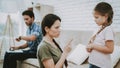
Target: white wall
14, 9
77, 14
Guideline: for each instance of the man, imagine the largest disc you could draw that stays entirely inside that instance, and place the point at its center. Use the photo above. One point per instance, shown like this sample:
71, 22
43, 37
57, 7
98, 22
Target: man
33, 38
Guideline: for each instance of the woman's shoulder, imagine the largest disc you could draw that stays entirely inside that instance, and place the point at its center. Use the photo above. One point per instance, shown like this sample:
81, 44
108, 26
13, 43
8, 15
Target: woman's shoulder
43, 44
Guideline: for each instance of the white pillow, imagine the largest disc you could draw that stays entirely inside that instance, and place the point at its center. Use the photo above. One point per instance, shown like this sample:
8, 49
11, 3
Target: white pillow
115, 56
78, 55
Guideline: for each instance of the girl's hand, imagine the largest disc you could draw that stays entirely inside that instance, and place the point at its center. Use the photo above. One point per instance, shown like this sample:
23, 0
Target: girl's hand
89, 47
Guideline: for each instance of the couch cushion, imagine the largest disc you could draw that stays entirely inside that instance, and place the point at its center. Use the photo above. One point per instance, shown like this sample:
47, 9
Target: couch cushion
32, 61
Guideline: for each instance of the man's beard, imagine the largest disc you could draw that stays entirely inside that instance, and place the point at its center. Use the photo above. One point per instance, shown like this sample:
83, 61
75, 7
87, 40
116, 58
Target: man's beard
28, 24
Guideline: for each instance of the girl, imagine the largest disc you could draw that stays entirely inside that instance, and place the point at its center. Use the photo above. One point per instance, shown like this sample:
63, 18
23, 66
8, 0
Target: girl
102, 43
49, 52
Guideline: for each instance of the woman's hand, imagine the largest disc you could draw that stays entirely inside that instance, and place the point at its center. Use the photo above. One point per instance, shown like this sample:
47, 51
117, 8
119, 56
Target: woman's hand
67, 48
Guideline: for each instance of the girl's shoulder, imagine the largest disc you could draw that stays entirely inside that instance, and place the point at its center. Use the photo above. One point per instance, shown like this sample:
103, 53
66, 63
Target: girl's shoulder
109, 28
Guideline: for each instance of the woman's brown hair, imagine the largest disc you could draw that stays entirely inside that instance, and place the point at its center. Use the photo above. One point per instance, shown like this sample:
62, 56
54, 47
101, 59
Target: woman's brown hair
48, 21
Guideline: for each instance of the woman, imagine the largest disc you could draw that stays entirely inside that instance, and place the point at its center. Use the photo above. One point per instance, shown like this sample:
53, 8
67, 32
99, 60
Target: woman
49, 53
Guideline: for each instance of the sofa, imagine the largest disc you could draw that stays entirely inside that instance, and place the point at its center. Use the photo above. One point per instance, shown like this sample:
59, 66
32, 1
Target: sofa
78, 37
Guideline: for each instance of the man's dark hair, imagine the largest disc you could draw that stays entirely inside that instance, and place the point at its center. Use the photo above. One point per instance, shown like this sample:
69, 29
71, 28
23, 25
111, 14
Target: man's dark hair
29, 13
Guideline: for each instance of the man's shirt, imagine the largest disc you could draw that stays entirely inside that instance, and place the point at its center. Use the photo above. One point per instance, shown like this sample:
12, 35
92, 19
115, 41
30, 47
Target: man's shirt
34, 29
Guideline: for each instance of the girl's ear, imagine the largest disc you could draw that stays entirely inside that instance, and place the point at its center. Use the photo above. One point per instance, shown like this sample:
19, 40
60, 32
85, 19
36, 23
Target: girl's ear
46, 29
106, 16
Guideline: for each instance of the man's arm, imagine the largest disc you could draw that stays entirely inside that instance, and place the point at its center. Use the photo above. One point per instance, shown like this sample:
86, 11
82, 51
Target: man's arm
23, 46
20, 47
26, 38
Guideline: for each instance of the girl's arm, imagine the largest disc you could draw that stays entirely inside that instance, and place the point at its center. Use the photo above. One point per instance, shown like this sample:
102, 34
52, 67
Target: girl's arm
107, 49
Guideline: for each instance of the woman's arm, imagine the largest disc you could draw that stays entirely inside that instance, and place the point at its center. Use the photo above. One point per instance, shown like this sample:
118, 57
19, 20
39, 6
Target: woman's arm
49, 63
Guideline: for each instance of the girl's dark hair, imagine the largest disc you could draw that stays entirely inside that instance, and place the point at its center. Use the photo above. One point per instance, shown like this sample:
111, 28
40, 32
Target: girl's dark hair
48, 21
104, 8
29, 13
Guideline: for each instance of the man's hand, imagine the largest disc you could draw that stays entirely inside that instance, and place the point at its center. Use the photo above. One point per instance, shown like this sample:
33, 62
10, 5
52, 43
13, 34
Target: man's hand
18, 39
14, 48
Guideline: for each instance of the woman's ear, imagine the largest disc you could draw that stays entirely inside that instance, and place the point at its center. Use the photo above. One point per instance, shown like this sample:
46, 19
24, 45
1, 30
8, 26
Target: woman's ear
46, 29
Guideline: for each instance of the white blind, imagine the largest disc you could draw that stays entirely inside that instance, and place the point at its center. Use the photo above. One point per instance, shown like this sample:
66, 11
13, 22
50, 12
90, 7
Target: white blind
77, 14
